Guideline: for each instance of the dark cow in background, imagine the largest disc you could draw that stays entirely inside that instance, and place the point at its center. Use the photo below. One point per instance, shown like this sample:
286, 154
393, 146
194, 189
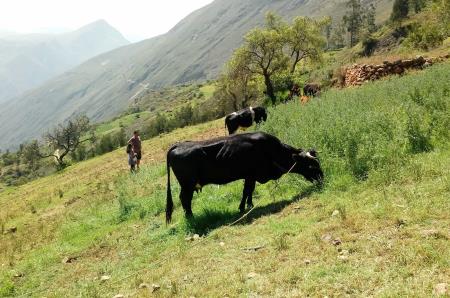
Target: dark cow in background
311, 90
295, 91
254, 157
245, 118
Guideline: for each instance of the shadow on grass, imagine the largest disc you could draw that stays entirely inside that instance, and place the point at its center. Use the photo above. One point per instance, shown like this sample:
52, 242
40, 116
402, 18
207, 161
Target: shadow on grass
212, 219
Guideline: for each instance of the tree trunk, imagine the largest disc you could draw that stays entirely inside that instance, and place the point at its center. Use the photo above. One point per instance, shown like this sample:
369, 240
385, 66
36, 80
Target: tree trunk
235, 101
60, 160
294, 63
269, 88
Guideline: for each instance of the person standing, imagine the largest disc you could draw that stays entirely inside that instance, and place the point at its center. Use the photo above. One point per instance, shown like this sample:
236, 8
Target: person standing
135, 142
131, 158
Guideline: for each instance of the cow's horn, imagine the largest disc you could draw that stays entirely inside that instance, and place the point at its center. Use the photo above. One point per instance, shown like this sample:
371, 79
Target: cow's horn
310, 156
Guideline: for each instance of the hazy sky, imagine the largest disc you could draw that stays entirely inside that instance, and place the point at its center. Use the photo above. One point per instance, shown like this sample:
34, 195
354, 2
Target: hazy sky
135, 19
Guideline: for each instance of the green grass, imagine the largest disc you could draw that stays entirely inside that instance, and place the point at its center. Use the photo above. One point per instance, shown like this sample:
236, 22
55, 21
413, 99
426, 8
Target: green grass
385, 151
124, 121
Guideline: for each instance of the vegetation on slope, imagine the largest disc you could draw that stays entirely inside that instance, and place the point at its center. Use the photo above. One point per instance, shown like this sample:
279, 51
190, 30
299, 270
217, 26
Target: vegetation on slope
384, 148
194, 50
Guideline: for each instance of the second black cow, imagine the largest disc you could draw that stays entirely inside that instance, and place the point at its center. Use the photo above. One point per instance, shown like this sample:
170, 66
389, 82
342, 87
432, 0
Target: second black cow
254, 157
311, 89
245, 118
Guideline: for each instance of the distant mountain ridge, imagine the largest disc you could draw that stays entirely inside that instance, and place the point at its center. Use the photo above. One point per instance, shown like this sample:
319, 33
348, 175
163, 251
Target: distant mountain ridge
26, 61
195, 49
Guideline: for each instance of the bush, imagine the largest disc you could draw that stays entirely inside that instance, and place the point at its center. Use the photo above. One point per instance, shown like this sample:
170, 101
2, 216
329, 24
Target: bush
80, 154
369, 44
425, 36
105, 145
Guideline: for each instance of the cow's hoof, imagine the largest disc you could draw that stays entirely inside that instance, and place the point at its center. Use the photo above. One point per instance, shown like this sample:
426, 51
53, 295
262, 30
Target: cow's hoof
250, 206
241, 210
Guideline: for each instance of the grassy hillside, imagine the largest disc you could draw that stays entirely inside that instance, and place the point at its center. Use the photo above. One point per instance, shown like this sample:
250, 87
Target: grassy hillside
150, 103
379, 227
194, 50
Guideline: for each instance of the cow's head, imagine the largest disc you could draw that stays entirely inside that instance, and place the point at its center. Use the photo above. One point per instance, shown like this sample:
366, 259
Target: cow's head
264, 115
308, 165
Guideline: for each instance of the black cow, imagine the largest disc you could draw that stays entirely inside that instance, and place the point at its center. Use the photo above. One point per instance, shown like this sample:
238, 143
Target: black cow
254, 157
295, 91
245, 118
311, 89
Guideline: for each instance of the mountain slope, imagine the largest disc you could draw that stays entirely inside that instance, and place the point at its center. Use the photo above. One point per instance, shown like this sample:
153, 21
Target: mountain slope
382, 236
26, 61
195, 49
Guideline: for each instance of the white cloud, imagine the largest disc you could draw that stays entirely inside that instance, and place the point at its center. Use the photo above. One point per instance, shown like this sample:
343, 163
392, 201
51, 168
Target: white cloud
136, 19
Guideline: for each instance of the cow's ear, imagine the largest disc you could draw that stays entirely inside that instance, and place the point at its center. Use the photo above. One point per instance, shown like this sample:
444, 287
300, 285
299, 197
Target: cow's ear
301, 155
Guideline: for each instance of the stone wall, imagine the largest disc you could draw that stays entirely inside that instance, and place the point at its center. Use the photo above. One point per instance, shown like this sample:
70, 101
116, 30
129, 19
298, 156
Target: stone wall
358, 74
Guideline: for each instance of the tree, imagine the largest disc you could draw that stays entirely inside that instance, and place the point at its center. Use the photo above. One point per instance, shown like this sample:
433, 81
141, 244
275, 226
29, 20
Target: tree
328, 27
8, 158
263, 53
237, 85
418, 5
369, 18
304, 39
65, 139
120, 138
338, 36
400, 10
31, 154
353, 20
275, 22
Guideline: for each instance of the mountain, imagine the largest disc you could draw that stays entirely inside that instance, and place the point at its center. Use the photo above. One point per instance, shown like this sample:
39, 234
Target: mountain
195, 49
26, 61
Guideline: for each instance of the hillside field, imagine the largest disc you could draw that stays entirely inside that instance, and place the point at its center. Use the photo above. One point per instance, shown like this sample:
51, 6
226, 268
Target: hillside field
378, 227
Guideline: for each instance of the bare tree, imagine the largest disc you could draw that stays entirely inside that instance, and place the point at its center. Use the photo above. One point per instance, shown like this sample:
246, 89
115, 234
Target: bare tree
66, 138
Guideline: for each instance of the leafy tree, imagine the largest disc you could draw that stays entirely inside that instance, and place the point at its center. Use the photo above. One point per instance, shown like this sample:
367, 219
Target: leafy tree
81, 153
418, 5
120, 138
106, 144
304, 39
369, 18
338, 36
328, 29
237, 86
8, 158
31, 154
65, 139
400, 10
160, 124
263, 52
184, 116
353, 20
275, 22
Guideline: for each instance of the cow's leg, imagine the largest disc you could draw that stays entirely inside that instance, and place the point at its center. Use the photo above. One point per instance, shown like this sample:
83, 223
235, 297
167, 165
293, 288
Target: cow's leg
249, 187
232, 128
244, 197
186, 200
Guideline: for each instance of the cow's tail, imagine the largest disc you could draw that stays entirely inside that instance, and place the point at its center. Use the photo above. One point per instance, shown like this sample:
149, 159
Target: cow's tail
169, 201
